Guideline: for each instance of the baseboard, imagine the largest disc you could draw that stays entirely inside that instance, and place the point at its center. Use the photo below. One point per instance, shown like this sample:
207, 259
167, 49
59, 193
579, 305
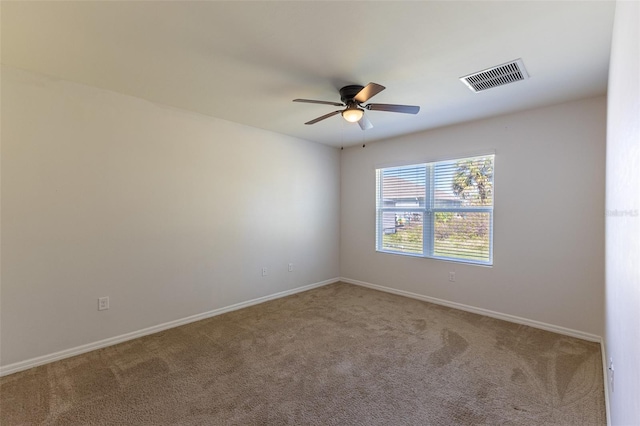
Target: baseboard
67, 353
486, 312
605, 378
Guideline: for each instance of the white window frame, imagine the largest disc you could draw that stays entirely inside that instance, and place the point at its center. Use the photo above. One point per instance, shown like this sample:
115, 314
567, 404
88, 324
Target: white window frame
428, 211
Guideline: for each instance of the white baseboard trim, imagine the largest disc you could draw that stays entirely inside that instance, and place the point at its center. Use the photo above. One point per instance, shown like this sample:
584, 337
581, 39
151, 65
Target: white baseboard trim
486, 312
605, 378
67, 353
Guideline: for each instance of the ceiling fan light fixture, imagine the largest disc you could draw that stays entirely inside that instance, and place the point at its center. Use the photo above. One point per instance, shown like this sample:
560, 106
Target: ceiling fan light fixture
352, 114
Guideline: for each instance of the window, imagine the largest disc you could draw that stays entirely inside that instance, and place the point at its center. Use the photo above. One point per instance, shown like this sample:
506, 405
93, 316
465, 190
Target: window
441, 210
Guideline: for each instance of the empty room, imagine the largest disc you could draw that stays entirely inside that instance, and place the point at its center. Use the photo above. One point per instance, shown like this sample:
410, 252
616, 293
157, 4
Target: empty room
320, 213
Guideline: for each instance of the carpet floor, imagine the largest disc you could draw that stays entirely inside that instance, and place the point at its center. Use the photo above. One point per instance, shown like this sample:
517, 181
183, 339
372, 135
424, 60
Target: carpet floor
335, 355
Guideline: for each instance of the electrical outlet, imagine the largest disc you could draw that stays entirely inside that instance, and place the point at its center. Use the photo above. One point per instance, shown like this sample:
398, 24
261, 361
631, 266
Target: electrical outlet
264, 272
103, 303
291, 267
452, 276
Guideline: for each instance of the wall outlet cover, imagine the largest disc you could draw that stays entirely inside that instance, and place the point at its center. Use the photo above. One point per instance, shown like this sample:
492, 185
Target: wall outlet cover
103, 303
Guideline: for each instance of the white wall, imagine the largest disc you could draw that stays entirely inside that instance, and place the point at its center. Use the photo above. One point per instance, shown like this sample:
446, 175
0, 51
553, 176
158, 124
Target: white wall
623, 216
548, 218
168, 213
173, 214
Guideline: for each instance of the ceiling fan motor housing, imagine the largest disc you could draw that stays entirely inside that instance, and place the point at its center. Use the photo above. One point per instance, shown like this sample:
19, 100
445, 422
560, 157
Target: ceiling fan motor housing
347, 93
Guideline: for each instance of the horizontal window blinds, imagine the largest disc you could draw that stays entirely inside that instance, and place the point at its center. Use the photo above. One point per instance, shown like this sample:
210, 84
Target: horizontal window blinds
404, 186
442, 210
464, 183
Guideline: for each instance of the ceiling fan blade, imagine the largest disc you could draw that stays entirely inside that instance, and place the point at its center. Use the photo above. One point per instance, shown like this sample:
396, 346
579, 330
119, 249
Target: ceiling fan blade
364, 123
368, 92
405, 109
331, 114
311, 101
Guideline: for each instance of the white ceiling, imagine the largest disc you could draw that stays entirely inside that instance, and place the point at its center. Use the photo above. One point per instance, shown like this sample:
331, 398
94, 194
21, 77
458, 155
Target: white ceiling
246, 61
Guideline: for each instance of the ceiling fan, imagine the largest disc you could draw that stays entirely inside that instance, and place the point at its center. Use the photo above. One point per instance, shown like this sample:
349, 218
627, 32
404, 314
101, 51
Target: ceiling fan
352, 98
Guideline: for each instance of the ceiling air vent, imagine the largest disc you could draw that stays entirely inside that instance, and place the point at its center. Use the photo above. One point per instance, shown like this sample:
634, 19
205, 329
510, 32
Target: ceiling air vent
496, 76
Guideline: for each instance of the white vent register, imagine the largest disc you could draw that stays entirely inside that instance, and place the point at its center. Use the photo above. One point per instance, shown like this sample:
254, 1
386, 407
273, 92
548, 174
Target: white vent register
496, 76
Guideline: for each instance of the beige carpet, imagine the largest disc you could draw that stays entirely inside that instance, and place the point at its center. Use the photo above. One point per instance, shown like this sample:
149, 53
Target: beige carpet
336, 355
